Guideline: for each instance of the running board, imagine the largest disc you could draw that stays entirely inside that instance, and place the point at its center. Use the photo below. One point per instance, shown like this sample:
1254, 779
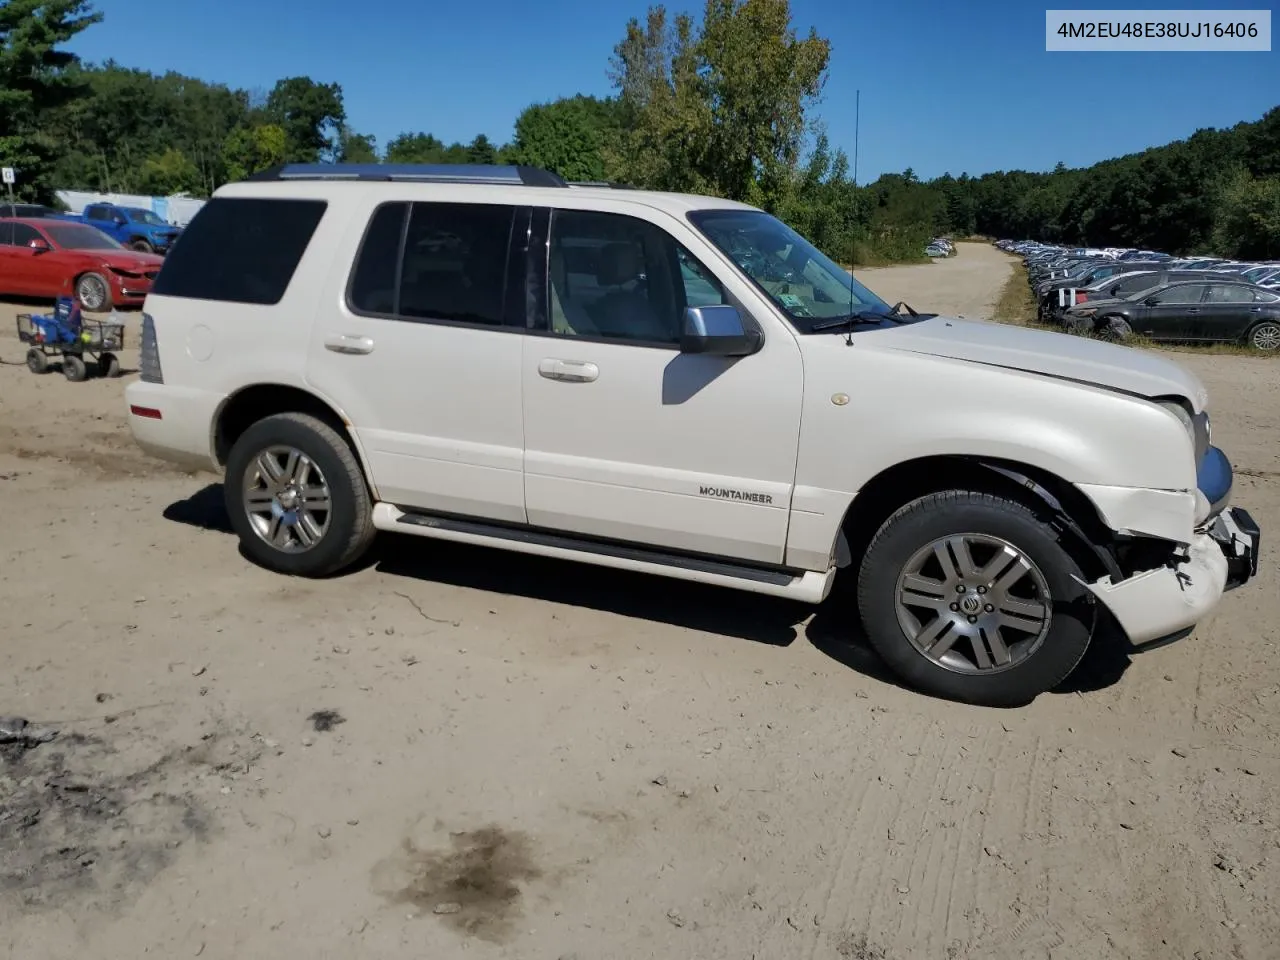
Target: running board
807, 586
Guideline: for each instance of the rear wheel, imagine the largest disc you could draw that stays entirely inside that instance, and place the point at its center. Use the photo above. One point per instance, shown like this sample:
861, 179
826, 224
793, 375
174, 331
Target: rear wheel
108, 365
970, 596
1265, 336
297, 497
142, 246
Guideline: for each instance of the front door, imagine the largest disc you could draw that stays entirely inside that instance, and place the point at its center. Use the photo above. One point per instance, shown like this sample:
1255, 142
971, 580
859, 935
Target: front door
626, 438
1175, 312
44, 274
423, 354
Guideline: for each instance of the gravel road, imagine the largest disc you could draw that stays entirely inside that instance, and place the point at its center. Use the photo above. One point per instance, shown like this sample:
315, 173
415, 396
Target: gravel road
457, 749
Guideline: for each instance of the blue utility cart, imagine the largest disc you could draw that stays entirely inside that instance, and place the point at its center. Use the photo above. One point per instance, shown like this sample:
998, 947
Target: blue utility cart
69, 335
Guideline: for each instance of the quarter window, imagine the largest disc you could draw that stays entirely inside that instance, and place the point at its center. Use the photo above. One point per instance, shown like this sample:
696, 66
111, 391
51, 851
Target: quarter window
240, 250
615, 277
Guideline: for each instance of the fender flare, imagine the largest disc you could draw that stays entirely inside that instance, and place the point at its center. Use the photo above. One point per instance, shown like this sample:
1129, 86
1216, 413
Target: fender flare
1060, 520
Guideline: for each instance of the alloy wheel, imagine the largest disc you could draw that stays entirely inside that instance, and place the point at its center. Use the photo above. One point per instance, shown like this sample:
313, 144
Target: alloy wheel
287, 499
973, 603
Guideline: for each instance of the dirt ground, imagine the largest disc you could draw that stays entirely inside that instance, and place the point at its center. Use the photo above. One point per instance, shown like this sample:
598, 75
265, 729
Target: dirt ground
458, 752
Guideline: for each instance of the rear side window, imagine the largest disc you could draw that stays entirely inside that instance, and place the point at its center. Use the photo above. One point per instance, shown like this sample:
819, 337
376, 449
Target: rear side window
240, 250
446, 263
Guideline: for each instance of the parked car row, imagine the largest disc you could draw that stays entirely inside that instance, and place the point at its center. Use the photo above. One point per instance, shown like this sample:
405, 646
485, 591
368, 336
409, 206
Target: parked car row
940, 247
1117, 293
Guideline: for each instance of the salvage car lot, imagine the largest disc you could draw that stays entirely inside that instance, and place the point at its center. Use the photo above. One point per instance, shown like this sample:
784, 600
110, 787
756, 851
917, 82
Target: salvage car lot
455, 747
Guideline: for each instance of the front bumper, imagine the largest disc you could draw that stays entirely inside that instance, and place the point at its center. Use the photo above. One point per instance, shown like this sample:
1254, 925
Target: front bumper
1156, 604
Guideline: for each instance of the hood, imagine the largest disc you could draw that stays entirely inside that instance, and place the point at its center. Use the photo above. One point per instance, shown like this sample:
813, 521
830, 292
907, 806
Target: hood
132, 260
1059, 355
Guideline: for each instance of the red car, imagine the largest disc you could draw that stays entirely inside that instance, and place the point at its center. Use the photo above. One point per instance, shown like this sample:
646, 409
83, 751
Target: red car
45, 257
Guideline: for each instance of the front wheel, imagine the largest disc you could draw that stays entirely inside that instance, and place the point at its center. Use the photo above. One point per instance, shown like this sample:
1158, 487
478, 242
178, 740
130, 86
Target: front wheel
73, 368
297, 497
1265, 336
1115, 329
93, 292
37, 362
970, 596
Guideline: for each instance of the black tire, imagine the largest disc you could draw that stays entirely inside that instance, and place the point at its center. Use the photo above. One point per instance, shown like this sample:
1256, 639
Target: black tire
108, 365
349, 530
957, 512
37, 362
1115, 329
1264, 336
93, 292
73, 368
142, 246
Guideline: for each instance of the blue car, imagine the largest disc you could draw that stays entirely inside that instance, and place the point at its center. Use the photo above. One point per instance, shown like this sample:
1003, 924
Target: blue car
136, 228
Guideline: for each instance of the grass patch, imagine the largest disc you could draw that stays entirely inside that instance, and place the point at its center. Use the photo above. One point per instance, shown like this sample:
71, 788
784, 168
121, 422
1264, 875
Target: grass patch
1017, 306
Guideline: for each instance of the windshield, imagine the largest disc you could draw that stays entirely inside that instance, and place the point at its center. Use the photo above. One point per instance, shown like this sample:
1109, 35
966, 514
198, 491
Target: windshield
144, 216
807, 284
73, 236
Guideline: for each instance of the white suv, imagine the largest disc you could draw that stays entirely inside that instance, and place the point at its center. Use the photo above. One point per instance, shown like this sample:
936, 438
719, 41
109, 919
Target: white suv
684, 386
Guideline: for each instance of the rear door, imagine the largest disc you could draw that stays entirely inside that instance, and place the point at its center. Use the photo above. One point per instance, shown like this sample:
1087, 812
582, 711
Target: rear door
422, 351
1228, 311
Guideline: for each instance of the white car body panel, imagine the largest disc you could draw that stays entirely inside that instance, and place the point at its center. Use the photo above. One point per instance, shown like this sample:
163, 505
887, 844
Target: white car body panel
755, 459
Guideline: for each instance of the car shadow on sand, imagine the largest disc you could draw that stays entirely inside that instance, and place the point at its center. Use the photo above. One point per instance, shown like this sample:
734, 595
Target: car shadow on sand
833, 627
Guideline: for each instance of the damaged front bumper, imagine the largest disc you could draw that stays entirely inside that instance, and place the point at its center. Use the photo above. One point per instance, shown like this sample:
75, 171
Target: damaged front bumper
1159, 604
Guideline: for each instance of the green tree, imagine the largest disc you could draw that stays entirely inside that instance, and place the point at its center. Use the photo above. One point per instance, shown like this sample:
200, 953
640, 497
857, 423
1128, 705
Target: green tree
249, 149
169, 173
312, 116
356, 147
481, 151
1248, 217
566, 136
36, 77
721, 107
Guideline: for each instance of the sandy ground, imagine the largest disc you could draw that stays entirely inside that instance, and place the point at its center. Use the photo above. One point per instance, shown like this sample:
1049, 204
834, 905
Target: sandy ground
454, 752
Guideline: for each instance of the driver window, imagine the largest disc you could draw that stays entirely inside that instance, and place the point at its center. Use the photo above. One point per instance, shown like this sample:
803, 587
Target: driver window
23, 234
1190, 294
615, 277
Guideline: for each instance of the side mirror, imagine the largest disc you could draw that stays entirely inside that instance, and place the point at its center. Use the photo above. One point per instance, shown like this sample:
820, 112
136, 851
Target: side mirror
717, 331
38, 246
119, 220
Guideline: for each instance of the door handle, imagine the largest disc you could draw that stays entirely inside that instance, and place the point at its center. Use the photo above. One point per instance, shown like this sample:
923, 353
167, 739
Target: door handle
345, 344
568, 371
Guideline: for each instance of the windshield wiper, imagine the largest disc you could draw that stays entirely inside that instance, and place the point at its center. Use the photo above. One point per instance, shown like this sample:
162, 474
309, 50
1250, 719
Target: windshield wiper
850, 320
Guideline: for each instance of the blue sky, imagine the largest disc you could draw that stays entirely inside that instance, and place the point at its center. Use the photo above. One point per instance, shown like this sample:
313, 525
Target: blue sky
946, 85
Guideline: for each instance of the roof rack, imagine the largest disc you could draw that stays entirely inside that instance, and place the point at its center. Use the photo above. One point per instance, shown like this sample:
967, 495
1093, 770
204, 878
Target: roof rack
414, 172
607, 184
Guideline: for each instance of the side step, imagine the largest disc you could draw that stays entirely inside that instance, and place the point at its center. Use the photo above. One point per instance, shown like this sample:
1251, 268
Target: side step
807, 586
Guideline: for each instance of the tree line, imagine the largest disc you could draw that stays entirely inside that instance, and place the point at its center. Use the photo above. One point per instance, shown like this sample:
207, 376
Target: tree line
722, 105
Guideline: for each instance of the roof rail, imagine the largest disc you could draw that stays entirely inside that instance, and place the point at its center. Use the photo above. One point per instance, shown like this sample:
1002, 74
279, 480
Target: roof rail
607, 184
414, 172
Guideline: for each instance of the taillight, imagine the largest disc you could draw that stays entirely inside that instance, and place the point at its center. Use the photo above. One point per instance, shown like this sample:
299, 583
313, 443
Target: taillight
149, 360
1081, 297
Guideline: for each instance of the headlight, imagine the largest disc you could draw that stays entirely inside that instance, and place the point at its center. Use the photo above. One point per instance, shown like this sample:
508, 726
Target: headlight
1179, 411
